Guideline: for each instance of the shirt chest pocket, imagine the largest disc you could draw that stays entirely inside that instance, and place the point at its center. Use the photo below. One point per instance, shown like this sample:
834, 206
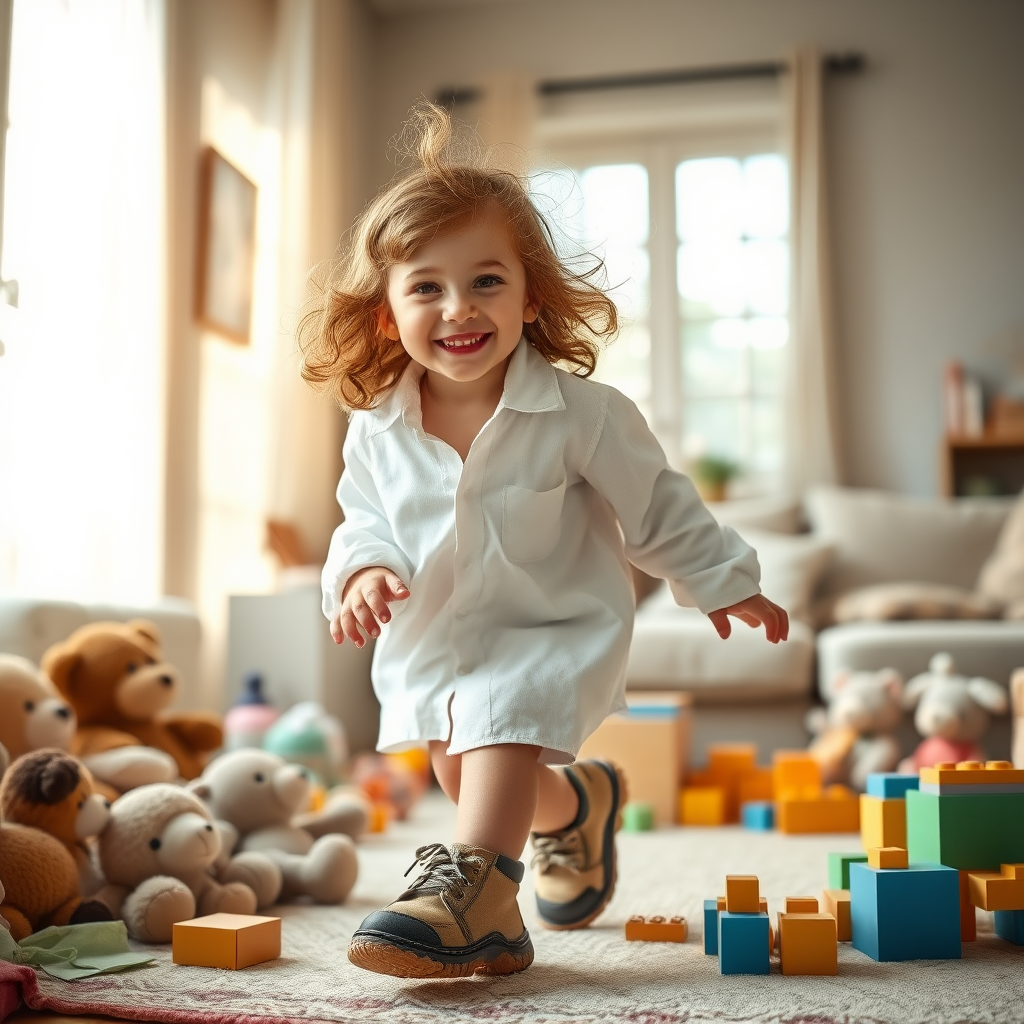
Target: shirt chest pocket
531, 522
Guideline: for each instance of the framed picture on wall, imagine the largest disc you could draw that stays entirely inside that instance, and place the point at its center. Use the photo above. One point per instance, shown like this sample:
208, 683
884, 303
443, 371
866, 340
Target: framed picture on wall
227, 248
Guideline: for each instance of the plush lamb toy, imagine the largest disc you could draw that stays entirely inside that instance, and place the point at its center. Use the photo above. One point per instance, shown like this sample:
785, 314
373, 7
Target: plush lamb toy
854, 735
259, 794
156, 854
952, 713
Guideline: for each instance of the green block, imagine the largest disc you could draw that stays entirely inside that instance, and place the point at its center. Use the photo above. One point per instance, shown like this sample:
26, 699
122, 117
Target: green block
839, 868
637, 817
978, 832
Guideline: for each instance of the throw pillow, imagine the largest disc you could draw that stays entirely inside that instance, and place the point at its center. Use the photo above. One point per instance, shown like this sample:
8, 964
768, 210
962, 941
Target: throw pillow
888, 601
1002, 575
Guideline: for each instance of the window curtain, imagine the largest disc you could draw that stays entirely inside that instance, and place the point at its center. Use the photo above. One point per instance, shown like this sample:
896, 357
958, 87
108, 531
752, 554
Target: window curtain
812, 413
82, 380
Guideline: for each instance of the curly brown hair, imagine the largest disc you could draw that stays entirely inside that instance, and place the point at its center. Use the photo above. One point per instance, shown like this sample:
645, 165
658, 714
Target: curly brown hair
344, 348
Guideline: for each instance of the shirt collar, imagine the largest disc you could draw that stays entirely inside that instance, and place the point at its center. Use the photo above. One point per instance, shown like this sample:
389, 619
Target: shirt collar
531, 385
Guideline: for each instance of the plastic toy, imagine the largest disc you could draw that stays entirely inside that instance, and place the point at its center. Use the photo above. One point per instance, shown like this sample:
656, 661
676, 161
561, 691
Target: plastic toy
837, 903
741, 894
389, 781
711, 927
249, 718
839, 868
795, 773
882, 822
997, 891
889, 857
732, 768
952, 713
808, 943
758, 815
656, 929
1009, 925
637, 817
801, 905
968, 915
230, 941
702, 805
837, 809
891, 785
306, 734
743, 943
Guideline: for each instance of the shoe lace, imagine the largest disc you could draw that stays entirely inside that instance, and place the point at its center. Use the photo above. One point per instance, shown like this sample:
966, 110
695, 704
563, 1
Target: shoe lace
441, 871
562, 850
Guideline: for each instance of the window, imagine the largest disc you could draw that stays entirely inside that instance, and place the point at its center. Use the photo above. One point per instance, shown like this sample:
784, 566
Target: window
695, 245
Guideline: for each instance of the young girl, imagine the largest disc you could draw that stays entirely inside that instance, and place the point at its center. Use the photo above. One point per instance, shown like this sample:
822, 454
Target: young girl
493, 503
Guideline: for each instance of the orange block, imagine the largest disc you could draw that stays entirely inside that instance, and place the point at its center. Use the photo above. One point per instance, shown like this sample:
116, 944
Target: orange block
835, 810
808, 944
762, 904
656, 929
702, 805
836, 902
755, 785
801, 905
232, 941
728, 764
741, 894
795, 772
972, 773
968, 916
1004, 890
888, 857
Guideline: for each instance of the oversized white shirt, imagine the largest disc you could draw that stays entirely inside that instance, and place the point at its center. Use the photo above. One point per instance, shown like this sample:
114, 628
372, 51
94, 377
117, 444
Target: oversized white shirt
520, 611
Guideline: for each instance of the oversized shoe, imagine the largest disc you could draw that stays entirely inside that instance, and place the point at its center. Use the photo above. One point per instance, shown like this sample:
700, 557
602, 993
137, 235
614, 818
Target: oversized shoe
575, 869
458, 918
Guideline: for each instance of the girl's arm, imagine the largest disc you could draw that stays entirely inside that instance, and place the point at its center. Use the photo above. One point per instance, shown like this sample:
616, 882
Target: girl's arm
668, 530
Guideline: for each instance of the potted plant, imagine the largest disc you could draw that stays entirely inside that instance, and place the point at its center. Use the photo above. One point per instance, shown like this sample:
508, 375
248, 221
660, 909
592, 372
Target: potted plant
711, 474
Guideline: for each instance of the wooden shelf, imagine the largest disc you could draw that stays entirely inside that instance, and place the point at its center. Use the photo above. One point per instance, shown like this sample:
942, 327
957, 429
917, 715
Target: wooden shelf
996, 458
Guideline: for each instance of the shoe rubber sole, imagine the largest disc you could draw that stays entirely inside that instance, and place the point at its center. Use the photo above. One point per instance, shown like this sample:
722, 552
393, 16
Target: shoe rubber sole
615, 824
385, 956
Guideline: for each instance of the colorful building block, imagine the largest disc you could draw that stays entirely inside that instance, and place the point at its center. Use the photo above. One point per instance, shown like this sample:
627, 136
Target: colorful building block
883, 822
638, 816
741, 894
808, 943
727, 764
758, 815
891, 857
836, 902
743, 943
656, 929
711, 927
795, 773
837, 809
801, 905
1002, 890
891, 785
702, 805
1009, 925
968, 913
907, 914
839, 868
756, 785
231, 941
762, 904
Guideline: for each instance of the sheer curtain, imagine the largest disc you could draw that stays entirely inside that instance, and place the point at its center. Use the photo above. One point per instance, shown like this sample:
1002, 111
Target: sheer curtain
81, 383
812, 427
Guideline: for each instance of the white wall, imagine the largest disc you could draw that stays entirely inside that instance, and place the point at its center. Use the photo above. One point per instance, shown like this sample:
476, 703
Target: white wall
926, 152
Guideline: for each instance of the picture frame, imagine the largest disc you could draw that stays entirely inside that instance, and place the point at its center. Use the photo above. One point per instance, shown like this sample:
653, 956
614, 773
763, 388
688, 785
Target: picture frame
226, 248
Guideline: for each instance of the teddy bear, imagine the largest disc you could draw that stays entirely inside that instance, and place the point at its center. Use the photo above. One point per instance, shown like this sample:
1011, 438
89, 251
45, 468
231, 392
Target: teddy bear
53, 791
952, 713
156, 854
259, 794
39, 881
114, 676
854, 735
33, 715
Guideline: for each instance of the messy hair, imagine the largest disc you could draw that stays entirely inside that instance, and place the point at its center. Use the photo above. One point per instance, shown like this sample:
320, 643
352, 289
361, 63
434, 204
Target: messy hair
345, 351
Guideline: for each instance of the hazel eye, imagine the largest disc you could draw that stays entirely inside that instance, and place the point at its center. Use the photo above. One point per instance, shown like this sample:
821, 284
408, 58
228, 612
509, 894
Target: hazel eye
425, 289
154, 844
30, 706
488, 281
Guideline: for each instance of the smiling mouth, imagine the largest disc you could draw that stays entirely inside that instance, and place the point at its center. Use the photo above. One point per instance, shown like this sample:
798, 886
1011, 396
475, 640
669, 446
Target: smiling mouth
463, 344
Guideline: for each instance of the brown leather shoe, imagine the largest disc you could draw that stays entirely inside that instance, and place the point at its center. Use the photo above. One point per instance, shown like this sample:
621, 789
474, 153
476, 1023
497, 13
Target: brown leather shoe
459, 917
574, 869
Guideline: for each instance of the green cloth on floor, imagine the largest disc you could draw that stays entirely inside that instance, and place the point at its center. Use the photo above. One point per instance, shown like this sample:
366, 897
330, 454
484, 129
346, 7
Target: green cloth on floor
74, 951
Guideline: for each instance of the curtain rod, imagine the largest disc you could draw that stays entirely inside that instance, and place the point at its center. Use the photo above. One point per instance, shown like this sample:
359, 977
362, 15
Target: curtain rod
841, 63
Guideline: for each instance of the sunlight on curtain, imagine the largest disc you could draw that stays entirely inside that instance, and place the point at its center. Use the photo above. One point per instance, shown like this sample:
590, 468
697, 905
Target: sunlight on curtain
81, 384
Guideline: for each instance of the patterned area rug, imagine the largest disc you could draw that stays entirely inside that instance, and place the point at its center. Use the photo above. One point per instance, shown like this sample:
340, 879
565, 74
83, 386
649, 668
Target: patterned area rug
588, 977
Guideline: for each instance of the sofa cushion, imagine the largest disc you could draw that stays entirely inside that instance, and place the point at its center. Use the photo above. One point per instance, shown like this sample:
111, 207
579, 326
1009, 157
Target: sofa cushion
886, 601
1002, 575
889, 538
776, 513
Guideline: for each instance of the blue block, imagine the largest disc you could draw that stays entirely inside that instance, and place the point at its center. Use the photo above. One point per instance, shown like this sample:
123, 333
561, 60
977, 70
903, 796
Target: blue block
743, 943
892, 785
1010, 925
758, 814
906, 913
711, 927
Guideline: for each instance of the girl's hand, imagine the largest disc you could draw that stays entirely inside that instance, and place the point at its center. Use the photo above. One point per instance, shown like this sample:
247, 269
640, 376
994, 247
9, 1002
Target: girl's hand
753, 612
365, 602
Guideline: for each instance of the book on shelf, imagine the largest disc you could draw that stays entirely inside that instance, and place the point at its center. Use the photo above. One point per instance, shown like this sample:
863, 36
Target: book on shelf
963, 402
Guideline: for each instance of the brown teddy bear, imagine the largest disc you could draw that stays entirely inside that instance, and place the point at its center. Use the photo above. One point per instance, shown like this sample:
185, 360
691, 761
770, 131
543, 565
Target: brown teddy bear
39, 881
114, 676
54, 792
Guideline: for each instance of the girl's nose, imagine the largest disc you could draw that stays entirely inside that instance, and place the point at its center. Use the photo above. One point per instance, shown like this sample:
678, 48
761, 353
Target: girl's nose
459, 308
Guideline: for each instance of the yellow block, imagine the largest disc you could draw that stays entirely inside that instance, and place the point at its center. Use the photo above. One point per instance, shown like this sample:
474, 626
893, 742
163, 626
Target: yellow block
702, 805
741, 894
656, 929
836, 810
997, 891
883, 822
801, 905
232, 941
837, 903
808, 944
887, 857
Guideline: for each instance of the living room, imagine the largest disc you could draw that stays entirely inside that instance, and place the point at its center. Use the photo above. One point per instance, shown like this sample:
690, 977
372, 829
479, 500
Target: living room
812, 221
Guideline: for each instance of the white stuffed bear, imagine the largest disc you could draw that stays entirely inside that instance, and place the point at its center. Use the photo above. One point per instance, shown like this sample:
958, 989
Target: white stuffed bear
952, 713
156, 854
258, 794
854, 735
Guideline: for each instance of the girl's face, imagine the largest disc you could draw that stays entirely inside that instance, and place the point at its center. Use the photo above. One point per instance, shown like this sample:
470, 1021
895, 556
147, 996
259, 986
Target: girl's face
458, 304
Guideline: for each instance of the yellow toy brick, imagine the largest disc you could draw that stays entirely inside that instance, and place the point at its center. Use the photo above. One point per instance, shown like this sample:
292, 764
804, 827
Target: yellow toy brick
231, 941
702, 805
741, 894
883, 822
888, 857
1004, 890
656, 929
801, 905
808, 944
836, 902
795, 773
837, 809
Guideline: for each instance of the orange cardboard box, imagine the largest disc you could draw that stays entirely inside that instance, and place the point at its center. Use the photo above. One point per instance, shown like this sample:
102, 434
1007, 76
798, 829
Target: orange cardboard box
232, 941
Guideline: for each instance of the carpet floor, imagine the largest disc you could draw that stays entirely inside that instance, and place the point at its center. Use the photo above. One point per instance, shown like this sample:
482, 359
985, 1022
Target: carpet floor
591, 976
